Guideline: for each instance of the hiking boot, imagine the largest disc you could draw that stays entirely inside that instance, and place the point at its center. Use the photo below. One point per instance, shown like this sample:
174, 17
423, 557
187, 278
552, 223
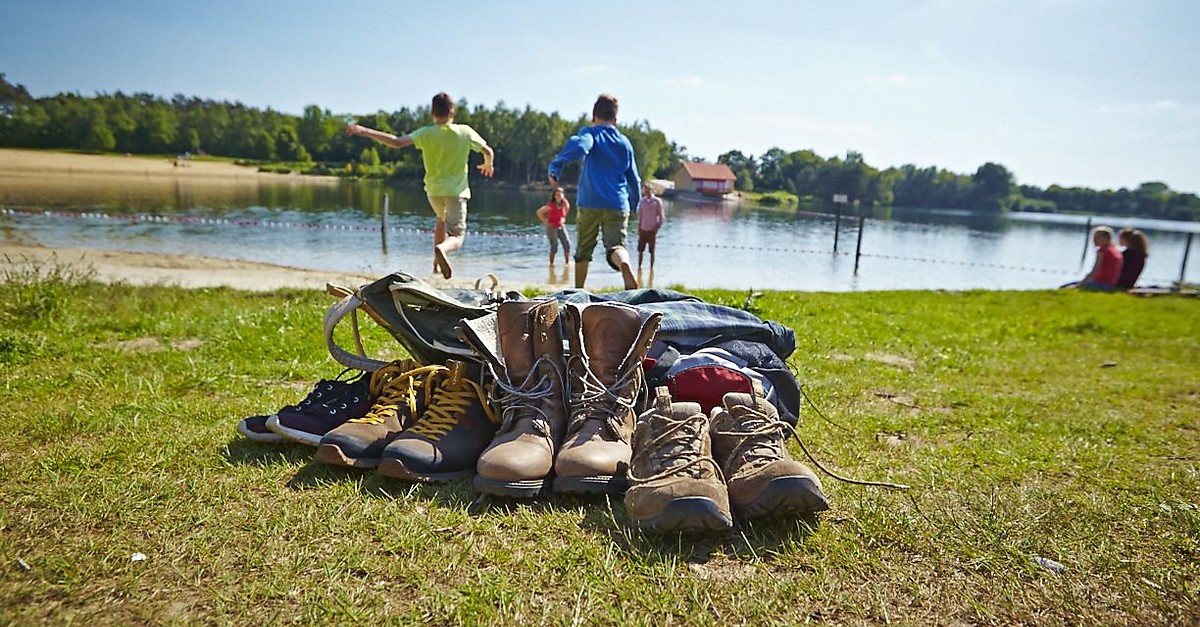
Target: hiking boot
255, 428
328, 405
748, 442
522, 345
675, 485
359, 441
604, 375
445, 441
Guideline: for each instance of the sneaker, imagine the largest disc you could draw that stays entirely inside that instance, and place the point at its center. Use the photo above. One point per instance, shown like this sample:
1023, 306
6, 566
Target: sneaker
675, 484
338, 402
359, 441
445, 441
255, 428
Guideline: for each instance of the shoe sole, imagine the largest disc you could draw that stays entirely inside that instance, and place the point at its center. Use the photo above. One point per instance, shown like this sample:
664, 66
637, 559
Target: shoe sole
591, 485
696, 514
524, 489
439, 260
394, 468
786, 496
332, 454
295, 435
265, 438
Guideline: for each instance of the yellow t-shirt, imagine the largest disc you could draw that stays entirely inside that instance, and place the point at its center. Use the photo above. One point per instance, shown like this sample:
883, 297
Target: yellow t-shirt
444, 149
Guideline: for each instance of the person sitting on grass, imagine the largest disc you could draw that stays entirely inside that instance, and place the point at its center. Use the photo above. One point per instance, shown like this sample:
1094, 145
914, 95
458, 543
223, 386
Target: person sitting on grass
445, 148
1133, 258
1107, 269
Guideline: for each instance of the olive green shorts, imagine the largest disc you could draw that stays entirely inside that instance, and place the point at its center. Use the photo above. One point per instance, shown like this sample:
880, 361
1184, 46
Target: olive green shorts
591, 224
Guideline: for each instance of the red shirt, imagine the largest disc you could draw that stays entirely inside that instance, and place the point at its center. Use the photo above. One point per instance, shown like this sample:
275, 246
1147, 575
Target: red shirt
556, 215
1110, 265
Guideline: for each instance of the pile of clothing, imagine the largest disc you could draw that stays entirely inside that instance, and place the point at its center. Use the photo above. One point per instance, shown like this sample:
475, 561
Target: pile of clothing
673, 402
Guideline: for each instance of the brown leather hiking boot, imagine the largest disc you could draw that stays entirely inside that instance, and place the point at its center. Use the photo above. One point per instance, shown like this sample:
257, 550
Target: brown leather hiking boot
748, 442
445, 441
522, 346
675, 485
359, 441
604, 376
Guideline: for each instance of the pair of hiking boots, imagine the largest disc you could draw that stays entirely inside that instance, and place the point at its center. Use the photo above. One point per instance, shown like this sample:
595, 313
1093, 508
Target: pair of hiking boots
567, 415
690, 471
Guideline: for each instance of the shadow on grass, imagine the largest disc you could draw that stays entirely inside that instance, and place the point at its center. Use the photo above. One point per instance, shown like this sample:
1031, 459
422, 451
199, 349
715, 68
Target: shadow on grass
245, 452
606, 515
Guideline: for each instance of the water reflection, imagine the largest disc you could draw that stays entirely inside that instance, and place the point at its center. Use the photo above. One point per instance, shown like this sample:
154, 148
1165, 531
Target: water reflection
335, 225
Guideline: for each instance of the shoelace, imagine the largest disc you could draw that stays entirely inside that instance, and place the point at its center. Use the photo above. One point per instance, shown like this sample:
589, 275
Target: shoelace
879, 484
598, 402
518, 400
393, 386
319, 391
683, 446
753, 445
444, 402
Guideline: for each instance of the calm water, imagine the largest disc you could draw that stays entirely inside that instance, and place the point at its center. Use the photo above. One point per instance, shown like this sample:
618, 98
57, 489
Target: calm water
335, 226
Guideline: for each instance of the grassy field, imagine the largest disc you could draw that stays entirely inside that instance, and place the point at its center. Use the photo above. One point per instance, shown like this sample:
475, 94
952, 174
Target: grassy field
1054, 424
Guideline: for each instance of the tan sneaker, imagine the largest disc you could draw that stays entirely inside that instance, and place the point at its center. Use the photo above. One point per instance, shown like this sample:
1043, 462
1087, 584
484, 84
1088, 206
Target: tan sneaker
748, 442
358, 442
675, 485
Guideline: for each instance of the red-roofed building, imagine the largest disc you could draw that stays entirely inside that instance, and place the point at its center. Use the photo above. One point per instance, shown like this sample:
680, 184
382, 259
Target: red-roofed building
713, 179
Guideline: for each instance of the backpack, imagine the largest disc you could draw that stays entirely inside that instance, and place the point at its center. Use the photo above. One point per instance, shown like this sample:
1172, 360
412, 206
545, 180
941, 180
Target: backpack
421, 317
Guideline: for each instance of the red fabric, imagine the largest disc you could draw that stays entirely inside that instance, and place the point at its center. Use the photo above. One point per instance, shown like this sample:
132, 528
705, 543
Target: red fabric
1110, 265
555, 215
707, 385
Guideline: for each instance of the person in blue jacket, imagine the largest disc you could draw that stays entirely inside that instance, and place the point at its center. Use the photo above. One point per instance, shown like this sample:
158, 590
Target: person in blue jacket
608, 190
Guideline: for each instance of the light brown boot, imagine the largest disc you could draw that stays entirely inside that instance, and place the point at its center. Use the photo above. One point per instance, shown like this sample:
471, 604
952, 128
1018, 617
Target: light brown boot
604, 376
749, 444
523, 347
674, 483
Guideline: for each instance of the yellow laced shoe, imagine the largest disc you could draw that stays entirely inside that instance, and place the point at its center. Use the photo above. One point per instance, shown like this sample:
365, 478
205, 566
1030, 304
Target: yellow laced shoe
358, 442
445, 441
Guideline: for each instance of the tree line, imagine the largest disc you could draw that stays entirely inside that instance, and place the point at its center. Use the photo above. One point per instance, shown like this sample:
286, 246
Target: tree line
525, 141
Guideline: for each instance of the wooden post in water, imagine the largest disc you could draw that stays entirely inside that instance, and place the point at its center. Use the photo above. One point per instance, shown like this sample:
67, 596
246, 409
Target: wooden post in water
838, 201
858, 248
1087, 239
383, 215
1187, 249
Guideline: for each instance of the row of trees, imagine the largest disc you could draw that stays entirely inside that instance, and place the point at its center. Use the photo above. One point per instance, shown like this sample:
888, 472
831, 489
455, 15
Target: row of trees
525, 141
992, 188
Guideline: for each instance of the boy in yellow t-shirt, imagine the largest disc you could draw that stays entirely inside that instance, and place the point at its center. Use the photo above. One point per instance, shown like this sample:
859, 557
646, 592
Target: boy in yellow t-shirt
444, 148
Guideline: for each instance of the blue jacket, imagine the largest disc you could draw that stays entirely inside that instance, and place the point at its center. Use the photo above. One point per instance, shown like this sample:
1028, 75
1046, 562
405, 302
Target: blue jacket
609, 179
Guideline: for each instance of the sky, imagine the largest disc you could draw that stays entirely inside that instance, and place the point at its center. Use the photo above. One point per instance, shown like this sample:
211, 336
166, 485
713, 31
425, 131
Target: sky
1097, 93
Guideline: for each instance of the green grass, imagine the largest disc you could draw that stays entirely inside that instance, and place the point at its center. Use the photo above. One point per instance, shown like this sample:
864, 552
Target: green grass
1056, 424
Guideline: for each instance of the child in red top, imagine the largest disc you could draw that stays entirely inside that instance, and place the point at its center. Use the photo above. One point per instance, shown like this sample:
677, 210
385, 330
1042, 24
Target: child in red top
553, 215
1107, 268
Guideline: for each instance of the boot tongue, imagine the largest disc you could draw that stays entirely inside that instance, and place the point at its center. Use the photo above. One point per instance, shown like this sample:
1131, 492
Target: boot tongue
458, 370
609, 333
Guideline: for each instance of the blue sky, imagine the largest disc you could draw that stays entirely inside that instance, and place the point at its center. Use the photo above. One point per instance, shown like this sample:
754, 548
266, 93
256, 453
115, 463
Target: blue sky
1098, 93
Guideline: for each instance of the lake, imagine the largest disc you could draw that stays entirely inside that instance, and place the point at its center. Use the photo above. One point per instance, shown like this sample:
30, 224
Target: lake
336, 226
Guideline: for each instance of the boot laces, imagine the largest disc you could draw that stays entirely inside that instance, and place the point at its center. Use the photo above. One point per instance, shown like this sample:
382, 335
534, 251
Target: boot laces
595, 401
445, 401
526, 398
392, 387
678, 449
759, 438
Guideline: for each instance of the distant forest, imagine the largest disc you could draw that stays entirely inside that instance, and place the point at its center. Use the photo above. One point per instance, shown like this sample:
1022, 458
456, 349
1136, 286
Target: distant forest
525, 141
